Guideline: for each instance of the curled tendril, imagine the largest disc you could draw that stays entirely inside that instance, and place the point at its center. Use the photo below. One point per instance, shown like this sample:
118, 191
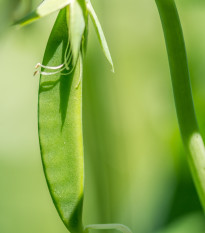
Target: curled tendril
66, 65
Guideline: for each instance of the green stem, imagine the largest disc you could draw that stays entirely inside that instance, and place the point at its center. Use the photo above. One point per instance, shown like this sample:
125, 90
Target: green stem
182, 92
113, 226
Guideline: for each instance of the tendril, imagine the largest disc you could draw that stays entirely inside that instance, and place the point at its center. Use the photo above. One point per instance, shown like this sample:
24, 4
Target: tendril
60, 68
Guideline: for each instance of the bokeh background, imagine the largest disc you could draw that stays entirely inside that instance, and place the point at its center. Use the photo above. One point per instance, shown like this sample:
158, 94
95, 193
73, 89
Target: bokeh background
136, 170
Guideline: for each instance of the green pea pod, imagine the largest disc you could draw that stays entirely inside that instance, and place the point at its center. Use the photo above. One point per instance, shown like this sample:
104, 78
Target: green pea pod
60, 128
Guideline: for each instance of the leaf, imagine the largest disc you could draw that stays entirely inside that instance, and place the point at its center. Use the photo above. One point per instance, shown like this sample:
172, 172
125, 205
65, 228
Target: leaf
60, 129
8, 10
100, 33
76, 28
45, 8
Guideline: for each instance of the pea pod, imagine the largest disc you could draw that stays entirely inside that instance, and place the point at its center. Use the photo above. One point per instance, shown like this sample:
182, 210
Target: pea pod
60, 108
60, 129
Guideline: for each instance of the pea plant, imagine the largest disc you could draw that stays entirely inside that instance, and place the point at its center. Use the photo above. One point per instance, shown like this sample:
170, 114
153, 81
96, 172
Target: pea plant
60, 103
60, 107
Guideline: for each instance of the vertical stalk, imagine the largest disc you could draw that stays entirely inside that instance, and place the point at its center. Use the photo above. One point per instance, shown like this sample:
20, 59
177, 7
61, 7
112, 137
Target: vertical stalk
178, 63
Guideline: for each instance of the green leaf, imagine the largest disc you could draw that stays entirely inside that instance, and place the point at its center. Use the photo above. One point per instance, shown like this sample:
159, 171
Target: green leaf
100, 33
76, 28
45, 8
60, 129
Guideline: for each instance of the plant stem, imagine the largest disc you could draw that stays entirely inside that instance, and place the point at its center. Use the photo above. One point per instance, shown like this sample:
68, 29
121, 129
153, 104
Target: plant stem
183, 93
114, 226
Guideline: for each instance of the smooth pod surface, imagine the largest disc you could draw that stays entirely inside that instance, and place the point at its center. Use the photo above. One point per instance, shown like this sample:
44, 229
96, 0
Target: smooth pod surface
60, 129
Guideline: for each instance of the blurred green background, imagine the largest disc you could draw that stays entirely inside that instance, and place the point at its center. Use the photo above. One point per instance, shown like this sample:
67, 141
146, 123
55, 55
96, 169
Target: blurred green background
136, 170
